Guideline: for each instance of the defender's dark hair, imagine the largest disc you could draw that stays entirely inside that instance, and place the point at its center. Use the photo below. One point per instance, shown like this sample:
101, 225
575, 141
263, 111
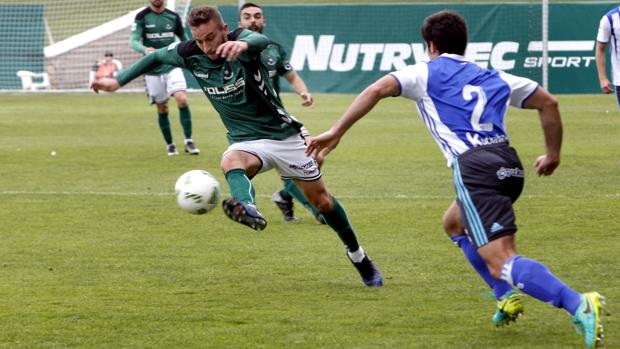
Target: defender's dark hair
248, 4
447, 30
204, 14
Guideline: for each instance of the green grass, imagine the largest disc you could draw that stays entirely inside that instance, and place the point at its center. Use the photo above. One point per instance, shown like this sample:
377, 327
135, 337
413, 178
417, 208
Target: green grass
95, 253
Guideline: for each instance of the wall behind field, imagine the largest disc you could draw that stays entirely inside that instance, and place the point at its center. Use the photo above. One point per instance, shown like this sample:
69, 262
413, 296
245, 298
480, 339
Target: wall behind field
343, 48
338, 47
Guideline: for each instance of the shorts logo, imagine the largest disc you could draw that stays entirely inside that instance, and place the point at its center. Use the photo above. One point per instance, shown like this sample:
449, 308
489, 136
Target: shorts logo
504, 173
496, 227
308, 168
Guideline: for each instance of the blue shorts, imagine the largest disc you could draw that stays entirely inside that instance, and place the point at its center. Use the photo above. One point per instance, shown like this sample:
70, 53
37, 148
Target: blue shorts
488, 180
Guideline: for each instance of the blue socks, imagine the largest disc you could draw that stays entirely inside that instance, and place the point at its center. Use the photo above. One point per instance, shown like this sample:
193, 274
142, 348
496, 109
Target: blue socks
499, 287
534, 279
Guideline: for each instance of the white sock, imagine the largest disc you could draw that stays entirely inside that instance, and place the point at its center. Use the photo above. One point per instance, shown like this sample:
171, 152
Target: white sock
357, 256
187, 140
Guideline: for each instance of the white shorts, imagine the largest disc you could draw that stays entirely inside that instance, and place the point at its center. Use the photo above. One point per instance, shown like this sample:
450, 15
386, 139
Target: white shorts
287, 156
159, 88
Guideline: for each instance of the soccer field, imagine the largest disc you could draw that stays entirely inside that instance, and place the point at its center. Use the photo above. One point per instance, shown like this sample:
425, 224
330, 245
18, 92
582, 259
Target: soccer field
95, 253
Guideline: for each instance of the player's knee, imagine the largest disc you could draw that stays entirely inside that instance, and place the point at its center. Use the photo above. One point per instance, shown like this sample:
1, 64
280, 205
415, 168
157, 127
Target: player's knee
496, 270
162, 108
226, 165
451, 226
181, 101
323, 202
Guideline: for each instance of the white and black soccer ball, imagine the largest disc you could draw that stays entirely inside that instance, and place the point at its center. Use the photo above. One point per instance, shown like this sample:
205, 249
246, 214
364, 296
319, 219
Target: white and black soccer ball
197, 191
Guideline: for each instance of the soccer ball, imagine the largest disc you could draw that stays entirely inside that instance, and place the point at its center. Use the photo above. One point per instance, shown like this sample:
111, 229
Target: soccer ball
197, 191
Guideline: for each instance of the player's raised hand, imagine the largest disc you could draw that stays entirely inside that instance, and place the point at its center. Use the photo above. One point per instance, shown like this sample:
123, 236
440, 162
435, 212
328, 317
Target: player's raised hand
105, 84
231, 50
325, 143
545, 165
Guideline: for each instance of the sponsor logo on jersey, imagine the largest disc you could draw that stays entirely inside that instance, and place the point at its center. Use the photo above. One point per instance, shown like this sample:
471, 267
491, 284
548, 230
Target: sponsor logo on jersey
475, 140
324, 54
149, 25
164, 35
226, 91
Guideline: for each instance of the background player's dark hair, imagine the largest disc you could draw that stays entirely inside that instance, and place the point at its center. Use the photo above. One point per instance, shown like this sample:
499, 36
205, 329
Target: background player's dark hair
204, 14
246, 5
447, 30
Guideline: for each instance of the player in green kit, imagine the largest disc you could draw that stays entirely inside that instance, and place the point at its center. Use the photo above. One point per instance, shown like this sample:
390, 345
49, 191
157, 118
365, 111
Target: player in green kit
261, 133
275, 59
156, 27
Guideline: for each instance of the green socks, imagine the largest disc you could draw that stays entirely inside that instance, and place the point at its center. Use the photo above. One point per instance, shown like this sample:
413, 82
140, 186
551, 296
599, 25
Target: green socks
241, 188
186, 121
337, 220
164, 126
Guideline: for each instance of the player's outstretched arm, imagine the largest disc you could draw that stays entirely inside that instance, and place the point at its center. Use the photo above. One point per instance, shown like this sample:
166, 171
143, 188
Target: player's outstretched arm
549, 112
105, 84
386, 86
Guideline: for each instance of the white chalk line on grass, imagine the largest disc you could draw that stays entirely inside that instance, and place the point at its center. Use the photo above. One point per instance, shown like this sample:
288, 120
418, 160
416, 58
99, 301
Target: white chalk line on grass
365, 197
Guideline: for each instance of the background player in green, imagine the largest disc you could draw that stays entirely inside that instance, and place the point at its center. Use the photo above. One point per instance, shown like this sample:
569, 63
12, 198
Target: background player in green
156, 27
261, 133
275, 58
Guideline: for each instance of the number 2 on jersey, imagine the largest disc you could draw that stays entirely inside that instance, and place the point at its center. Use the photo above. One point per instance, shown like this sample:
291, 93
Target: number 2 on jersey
481, 101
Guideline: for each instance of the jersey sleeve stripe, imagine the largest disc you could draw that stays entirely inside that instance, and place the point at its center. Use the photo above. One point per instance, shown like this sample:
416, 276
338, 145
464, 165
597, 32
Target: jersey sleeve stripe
432, 127
529, 95
611, 26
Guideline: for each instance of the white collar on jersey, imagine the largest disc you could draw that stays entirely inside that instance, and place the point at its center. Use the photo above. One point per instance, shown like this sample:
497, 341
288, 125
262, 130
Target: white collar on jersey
453, 56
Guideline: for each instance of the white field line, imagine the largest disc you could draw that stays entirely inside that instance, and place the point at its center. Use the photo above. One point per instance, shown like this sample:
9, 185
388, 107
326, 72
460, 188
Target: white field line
396, 196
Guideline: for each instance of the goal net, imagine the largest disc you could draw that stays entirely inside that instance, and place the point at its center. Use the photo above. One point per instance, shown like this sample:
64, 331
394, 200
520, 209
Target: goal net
54, 44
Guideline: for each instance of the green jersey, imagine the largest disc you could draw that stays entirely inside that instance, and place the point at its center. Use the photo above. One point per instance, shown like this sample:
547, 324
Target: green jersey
157, 30
240, 91
275, 59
